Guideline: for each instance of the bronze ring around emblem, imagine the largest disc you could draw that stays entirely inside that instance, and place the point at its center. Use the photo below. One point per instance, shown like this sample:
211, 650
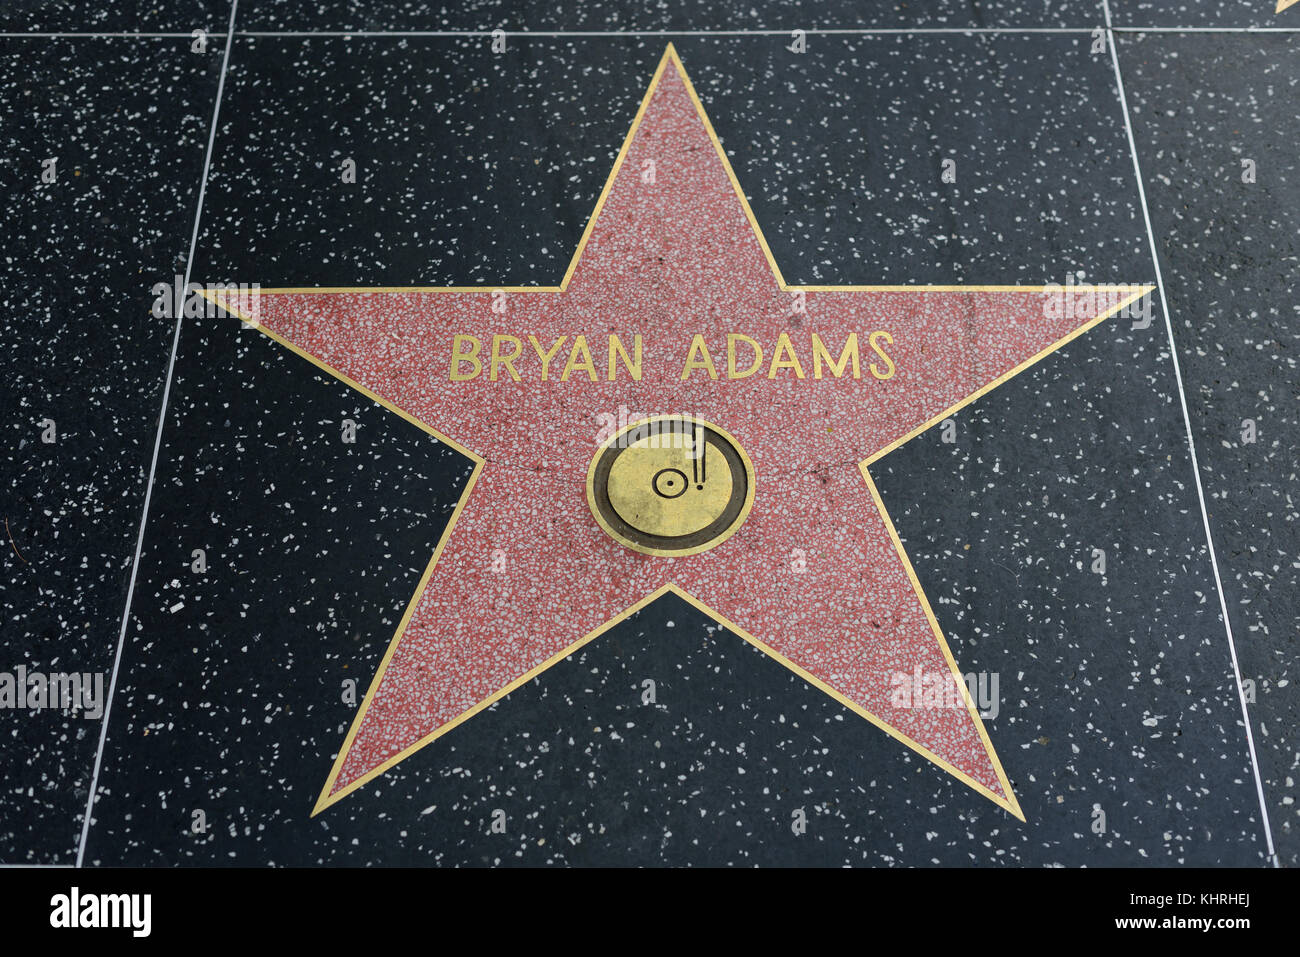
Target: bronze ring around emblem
670, 485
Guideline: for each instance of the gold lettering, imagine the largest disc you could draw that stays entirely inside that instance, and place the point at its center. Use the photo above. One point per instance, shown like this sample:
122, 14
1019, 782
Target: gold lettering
732, 339
546, 357
783, 345
616, 349
881, 334
850, 353
498, 360
579, 345
458, 356
705, 361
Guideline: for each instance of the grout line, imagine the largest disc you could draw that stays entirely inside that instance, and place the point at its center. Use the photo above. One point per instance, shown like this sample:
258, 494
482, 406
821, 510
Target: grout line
1191, 444
121, 34
1203, 29
812, 31
830, 31
157, 446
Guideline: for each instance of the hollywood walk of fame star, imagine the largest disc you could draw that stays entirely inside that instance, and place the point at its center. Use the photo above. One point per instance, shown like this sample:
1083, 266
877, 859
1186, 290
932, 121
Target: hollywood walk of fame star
813, 572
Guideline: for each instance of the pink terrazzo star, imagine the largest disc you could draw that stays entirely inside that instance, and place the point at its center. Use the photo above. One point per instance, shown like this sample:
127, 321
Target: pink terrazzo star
815, 576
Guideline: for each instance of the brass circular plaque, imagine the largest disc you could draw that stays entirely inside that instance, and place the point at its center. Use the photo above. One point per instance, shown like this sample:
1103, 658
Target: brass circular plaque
670, 485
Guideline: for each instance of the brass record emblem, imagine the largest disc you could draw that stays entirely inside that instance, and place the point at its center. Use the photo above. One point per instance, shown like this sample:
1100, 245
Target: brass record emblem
670, 485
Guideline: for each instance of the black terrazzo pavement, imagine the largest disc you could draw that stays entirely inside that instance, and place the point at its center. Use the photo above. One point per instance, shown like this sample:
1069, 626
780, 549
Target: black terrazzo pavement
128, 123
1216, 14
1117, 691
1231, 255
731, 15
843, 147
117, 16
